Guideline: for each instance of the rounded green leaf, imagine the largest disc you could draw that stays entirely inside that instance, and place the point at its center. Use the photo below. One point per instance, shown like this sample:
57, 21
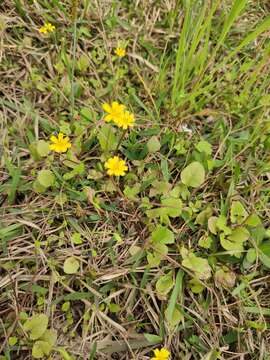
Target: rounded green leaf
37, 325
50, 336
193, 175
40, 349
154, 259
204, 146
61, 199
71, 265
153, 144
46, 178
76, 238
43, 148
114, 308
171, 207
196, 286
12, 340
160, 249
162, 235
238, 212
198, 265
37, 187
164, 284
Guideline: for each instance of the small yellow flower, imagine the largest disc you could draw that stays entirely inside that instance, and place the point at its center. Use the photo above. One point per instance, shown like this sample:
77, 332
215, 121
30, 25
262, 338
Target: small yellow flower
116, 166
115, 111
120, 52
162, 354
126, 120
60, 144
46, 28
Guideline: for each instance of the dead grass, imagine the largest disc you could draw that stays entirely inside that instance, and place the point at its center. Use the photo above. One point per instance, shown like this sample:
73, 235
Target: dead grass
36, 232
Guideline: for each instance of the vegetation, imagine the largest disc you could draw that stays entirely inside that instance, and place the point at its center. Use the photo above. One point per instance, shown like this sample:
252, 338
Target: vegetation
135, 179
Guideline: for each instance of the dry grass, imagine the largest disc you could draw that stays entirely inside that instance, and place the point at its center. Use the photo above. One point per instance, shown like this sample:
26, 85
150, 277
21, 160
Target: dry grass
36, 232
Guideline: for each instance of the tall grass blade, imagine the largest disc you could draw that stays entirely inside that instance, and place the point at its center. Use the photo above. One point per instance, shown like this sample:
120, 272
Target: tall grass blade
236, 9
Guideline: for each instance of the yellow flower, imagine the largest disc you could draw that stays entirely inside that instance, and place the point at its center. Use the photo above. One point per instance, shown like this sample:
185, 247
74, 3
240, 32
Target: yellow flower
47, 28
162, 354
115, 111
116, 166
60, 143
120, 52
126, 120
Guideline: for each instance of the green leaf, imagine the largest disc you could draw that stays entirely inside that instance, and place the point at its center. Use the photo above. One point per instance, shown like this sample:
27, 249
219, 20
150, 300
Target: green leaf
203, 216
61, 199
193, 175
12, 340
238, 212
165, 169
154, 259
107, 139
50, 336
37, 325
251, 255
43, 148
204, 146
160, 249
253, 220
172, 207
196, 286
162, 235
37, 187
239, 234
46, 178
40, 349
77, 170
264, 253
164, 284
175, 318
83, 63
221, 224
153, 339
234, 242
114, 308
76, 238
159, 187
153, 144
131, 192
198, 265
212, 224
71, 265
65, 355
205, 241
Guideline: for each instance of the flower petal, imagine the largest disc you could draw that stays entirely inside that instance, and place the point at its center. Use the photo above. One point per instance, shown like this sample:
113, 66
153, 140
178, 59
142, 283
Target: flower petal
106, 107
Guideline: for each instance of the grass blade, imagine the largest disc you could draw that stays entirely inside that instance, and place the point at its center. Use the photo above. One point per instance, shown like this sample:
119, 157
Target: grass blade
236, 9
175, 293
261, 28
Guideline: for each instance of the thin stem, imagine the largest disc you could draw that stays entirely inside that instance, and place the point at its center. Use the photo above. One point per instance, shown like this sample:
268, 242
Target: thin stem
120, 140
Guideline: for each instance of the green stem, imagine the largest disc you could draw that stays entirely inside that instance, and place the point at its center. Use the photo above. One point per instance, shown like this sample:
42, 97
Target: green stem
120, 140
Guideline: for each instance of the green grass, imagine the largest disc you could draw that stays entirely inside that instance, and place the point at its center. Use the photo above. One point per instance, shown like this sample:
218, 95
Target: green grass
165, 256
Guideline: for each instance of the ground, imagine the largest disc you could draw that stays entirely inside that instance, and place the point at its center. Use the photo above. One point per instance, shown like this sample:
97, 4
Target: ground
175, 252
